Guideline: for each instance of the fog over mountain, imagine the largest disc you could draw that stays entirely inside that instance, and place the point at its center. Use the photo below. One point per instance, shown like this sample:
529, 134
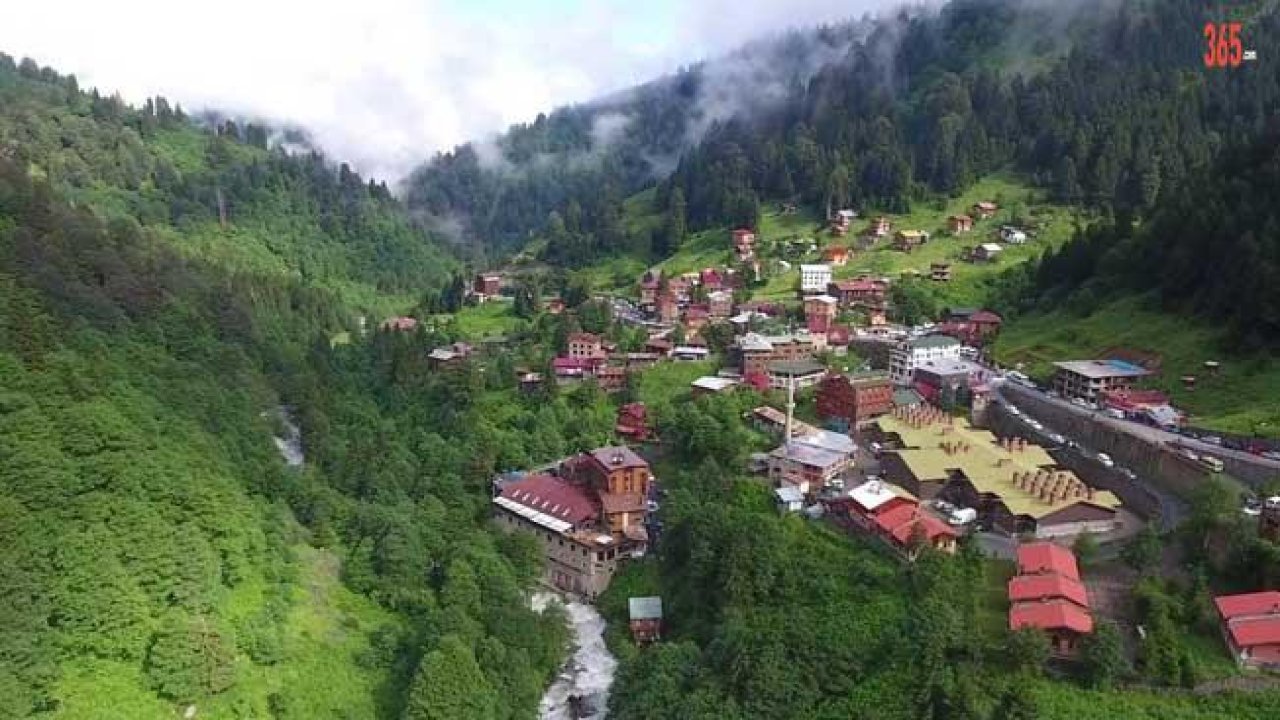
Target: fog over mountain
384, 84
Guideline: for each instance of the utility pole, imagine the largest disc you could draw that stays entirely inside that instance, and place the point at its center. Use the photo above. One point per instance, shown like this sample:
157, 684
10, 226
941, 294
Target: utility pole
791, 409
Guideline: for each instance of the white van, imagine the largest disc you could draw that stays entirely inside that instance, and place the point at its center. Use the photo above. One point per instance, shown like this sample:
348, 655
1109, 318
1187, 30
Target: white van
1106, 460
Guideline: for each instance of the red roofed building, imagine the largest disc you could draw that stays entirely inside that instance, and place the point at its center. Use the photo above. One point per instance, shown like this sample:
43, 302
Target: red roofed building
905, 524
1251, 626
853, 399
696, 316
985, 322
585, 345
1047, 557
633, 422
649, 287
1047, 594
835, 255
711, 279
859, 291
400, 324
1026, 588
1064, 621
565, 518
668, 309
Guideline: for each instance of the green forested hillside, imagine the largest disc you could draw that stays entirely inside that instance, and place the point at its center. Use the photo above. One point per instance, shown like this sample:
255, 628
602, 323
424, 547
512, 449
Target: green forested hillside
155, 551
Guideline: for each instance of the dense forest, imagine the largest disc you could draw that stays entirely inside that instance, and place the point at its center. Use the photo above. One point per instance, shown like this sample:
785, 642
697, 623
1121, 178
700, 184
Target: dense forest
1102, 103
155, 550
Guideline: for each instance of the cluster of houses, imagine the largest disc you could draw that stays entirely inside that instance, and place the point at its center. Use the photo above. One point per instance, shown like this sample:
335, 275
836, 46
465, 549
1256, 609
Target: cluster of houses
589, 512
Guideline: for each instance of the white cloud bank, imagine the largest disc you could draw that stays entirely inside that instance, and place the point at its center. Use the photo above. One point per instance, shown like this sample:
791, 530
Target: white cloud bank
384, 84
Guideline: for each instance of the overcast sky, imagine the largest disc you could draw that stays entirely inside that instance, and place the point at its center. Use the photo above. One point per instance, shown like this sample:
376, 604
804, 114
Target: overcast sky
384, 84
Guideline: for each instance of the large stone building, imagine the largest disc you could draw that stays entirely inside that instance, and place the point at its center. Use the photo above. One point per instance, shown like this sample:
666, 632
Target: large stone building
587, 518
1015, 486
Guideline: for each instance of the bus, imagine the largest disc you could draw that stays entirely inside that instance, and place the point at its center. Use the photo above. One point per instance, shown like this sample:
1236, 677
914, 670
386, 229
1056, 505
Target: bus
1211, 463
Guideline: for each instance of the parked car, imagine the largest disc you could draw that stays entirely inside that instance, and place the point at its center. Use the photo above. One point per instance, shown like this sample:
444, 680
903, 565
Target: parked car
1211, 439
1035, 424
836, 483
1128, 473
1013, 410
1080, 402
1211, 463
1251, 506
652, 505
1055, 437
962, 516
1106, 460
1271, 455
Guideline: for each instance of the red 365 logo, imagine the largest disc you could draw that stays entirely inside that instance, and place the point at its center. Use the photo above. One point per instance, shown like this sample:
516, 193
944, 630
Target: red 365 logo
1222, 45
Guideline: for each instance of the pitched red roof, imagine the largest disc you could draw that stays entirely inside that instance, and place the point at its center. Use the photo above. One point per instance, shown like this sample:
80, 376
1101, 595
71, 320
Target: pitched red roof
838, 335
696, 312
1254, 631
901, 521
1258, 603
586, 338
860, 285
1047, 586
400, 323
635, 410
1044, 557
711, 276
985, 316
553, 496
1050, 615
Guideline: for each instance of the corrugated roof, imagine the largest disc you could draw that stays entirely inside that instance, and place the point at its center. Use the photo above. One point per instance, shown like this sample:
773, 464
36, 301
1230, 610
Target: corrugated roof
1047, 586
1253, 631
551, 496
789, 494
1042, 557
932, 341
809, 455
1050, 615
645, 608
1258, 603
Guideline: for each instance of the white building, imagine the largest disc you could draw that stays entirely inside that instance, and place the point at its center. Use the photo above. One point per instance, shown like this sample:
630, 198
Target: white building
1012, 235
912, 353
814, 279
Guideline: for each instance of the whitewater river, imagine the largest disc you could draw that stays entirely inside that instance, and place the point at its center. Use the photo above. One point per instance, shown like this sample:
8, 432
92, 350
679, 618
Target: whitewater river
290, 446
589, 671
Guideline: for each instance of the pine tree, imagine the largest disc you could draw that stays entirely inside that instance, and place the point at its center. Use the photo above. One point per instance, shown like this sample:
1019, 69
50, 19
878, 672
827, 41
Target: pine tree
449, 685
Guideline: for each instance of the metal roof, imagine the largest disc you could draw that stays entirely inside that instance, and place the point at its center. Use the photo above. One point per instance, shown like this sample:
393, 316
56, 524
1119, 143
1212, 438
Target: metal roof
1095, 369
645, 608
789, 494
532, 515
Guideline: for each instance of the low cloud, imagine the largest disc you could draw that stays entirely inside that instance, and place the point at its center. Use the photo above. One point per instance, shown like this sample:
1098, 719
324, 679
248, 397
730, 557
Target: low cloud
385, 84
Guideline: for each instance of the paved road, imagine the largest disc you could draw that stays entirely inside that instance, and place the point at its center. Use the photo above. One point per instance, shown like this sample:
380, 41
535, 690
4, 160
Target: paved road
1145, 432
1172, 508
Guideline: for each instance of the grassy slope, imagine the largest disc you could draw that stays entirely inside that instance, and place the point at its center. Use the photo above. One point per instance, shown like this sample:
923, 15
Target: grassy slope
1237, 400
328, 628
1053, 223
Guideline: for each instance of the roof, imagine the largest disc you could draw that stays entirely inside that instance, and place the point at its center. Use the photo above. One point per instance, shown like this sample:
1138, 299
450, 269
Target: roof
621, 502
789, 494
1258, 603
985, 316
645, 608
1254, 631
828, 440
1050, 615
713, 383
901, 521
618, 456
796, 368
906, 397
992, 247
986, 205
1041, 587
815, 269
872, 494
858, 285
755, 342
400, 323
1102, 368
824, 299
690, 350
810, 455
1041, 557
912, 234
931, 341
987, 464
960, 218
586, 338
548, 501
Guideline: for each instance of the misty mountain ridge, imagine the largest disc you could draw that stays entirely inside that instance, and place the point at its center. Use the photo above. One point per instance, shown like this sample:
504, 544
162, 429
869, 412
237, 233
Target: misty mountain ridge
632, 139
